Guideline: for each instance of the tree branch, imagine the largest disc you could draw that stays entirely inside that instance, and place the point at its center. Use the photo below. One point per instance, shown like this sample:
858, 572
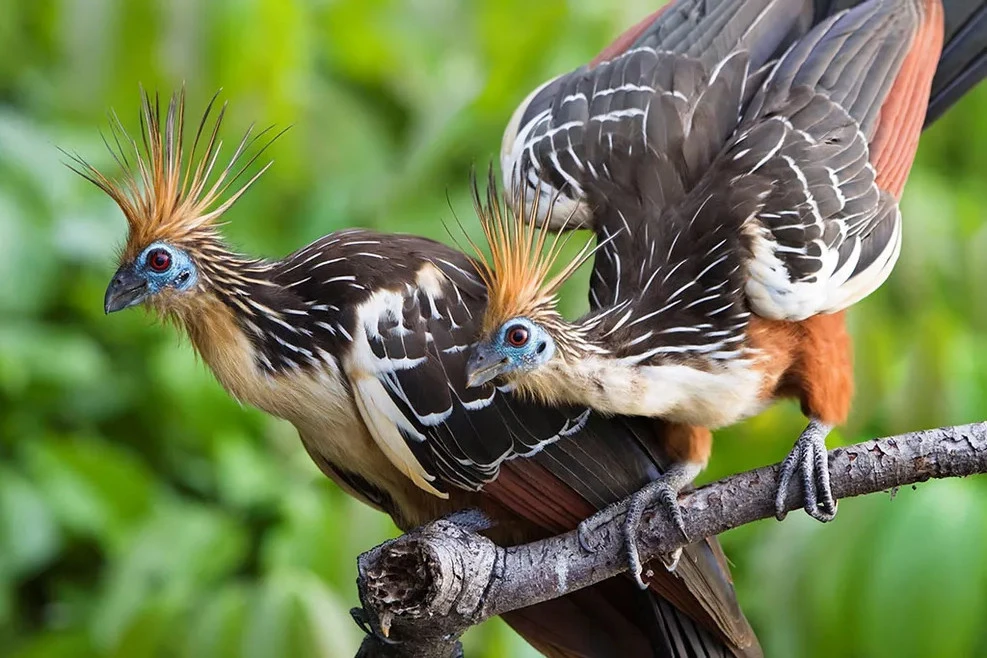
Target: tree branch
424, 589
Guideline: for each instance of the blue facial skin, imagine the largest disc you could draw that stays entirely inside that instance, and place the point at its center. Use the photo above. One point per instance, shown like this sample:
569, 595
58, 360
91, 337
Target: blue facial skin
158, 267
505, 353
181, 275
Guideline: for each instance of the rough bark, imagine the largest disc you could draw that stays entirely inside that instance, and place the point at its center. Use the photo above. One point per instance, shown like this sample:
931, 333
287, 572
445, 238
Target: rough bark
420, 592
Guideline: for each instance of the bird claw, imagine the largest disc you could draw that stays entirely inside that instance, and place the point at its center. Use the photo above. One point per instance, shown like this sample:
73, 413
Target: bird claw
671, 560
809, 457
661, 491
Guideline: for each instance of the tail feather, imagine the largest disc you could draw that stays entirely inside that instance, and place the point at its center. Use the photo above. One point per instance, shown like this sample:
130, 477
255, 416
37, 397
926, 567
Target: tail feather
615, 618
964, 57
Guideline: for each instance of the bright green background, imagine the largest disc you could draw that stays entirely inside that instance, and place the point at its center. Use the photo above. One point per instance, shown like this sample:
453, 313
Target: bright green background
143, 512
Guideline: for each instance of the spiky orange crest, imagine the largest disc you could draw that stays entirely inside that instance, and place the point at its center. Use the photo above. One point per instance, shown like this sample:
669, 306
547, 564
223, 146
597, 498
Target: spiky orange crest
518, 273
164, 193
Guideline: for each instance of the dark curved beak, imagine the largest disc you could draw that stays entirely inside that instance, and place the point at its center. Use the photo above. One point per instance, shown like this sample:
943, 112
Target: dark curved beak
125, 290
484, 365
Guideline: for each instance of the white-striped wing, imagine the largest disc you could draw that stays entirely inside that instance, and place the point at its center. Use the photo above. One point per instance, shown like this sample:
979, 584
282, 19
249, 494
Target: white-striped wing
824, 234
542, 145
408, 371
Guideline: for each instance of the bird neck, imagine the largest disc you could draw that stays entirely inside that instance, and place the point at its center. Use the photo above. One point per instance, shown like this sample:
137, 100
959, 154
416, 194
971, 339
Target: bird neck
250, 311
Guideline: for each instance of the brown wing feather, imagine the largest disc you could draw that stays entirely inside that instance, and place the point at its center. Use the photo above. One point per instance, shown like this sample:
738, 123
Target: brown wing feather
597, 475
627, 38
903, 112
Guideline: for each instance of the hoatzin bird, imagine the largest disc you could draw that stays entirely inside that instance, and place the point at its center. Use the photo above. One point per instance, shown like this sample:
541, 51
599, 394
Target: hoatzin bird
740, 202
360, 340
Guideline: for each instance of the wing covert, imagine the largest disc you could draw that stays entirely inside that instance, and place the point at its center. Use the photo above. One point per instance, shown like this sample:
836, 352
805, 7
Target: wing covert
540, 151
412, 381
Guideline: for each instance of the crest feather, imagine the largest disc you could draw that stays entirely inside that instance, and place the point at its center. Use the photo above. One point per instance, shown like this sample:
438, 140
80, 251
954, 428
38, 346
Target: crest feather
518, 273
164, 192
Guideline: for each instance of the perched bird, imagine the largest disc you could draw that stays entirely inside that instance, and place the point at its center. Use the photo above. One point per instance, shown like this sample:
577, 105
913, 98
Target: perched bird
360, 340
739, 209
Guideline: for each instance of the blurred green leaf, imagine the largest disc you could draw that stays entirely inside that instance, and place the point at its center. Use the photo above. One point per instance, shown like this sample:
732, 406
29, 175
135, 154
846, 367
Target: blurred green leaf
144, 512
57, 645
927, 584
29, 536
277, 622
94, 487
219, 627
180, 553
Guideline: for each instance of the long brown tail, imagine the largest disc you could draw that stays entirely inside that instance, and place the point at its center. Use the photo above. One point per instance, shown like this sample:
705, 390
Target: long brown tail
614, 618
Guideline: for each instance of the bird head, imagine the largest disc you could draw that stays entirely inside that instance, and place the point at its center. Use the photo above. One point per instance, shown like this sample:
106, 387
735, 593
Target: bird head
518, 346
159, 269
522, 330
172, 202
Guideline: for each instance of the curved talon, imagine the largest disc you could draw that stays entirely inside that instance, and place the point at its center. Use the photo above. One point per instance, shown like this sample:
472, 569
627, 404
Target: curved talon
634, 563
671, 561
359, 616
663, 491
632, 524
826, 502
670, 499
659, 491
784, 482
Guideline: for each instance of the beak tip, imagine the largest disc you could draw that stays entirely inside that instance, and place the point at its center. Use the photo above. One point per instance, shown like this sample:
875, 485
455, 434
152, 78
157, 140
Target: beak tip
479, 373
125, 290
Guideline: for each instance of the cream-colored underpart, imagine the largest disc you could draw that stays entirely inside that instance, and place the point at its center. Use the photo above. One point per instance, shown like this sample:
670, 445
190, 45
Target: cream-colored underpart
675, 392
315, 400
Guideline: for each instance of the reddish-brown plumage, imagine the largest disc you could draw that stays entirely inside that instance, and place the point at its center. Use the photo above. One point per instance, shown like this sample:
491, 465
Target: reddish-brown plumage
903, 113
809, 360
688, 443
812, 360
547, 502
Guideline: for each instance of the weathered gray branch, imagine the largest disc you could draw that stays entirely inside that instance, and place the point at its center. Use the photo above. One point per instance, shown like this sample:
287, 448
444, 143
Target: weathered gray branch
426, 588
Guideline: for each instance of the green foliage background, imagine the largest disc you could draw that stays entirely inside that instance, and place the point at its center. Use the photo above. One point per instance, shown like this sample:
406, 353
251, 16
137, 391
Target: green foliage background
144, 513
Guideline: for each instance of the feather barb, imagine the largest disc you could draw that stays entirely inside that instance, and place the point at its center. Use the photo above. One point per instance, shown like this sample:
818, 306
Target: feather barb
165, 192
518, 272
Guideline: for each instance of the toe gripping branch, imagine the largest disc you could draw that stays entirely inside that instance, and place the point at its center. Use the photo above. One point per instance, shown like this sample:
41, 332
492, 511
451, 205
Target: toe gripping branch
663, 492
809, 459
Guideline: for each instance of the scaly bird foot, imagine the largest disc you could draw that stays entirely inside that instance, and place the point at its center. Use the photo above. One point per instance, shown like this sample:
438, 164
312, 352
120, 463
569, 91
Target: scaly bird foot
811, 459
662, 491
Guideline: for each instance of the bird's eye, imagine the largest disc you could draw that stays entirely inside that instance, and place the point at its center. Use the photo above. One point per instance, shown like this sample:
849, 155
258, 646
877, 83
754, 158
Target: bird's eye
517, 336
159, 260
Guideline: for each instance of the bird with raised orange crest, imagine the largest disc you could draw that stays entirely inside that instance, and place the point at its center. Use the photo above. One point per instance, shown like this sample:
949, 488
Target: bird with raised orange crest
739, 209
361, 339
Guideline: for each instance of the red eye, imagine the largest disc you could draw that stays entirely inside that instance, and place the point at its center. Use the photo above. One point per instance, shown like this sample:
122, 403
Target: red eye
517, 336
159, 260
